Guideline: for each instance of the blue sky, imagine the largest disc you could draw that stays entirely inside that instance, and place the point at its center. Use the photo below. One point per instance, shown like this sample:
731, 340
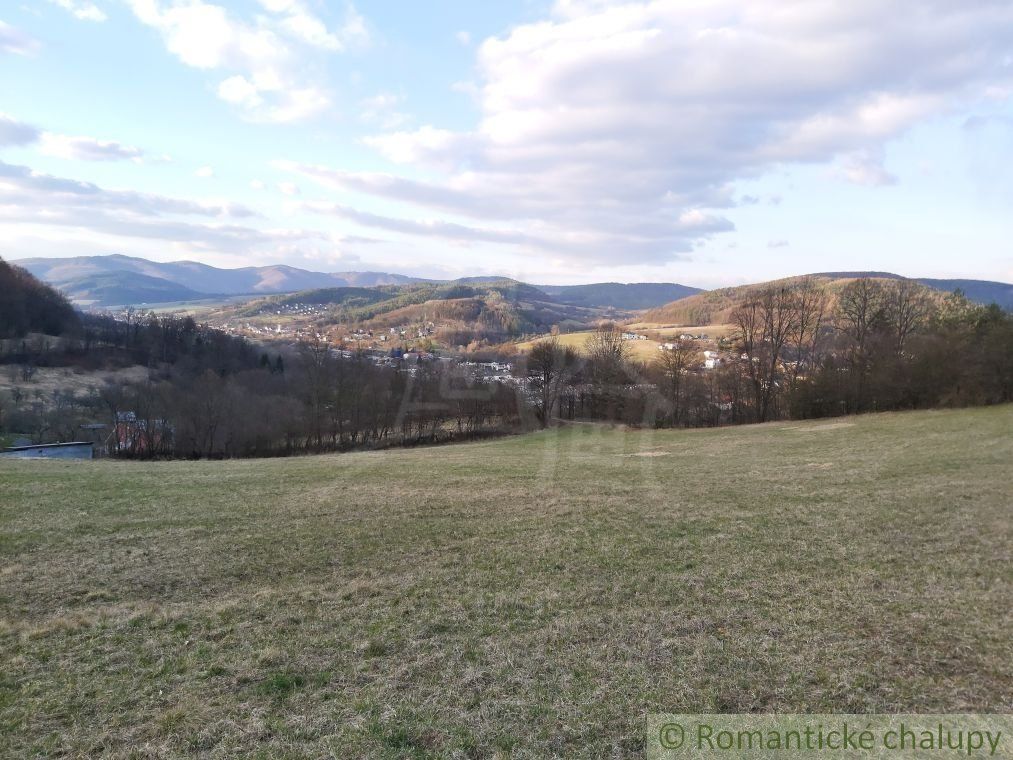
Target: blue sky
705, 142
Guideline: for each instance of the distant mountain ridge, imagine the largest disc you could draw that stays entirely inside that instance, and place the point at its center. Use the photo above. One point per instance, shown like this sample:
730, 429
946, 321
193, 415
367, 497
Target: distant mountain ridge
633, 296
131, 280
117, 280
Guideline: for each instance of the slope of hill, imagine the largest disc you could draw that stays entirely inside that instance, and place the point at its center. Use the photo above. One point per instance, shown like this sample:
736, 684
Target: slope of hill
135, 275
126, 289
629, 296
497, 307
527, 597
28, 305
716, 306
980, 291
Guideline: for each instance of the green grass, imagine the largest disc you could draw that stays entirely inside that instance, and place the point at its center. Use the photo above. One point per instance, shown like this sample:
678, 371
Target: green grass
529, 597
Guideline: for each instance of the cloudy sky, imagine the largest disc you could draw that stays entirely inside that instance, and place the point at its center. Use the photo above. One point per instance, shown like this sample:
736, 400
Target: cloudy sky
707, 142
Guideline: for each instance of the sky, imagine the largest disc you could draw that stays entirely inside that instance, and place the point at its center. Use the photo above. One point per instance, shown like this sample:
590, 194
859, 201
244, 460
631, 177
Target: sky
707, 142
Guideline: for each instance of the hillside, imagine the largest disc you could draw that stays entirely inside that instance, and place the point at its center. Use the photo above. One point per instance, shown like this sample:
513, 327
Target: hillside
134, 277
126, 289
984, 292
979, 291
629, 296
710, 306
30, 306
445, 602
116, 280
716, 306
492, 309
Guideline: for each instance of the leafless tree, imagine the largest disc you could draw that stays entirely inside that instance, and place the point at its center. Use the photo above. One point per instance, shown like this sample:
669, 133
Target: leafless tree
608, 354
907, 307
550, 367
673, 365
806, 333
861, 311
763, 326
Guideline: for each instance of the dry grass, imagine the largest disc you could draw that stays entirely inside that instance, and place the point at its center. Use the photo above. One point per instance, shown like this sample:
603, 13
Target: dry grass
48, 381
670, 332
528, 597
641, 350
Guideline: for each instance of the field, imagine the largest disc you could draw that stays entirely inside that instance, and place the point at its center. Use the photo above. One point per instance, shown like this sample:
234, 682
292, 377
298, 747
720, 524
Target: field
529, 597
641, 350
670, 332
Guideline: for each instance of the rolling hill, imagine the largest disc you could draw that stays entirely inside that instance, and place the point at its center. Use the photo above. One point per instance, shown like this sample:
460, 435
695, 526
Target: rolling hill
117, 280
980, 291
127, 288
716, 306
496, 308
630, 296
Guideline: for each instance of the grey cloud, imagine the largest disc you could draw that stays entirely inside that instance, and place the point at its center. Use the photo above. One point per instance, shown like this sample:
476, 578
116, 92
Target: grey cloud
664, 240
88, 148
31, 198
15, 132
15, 41
46, 189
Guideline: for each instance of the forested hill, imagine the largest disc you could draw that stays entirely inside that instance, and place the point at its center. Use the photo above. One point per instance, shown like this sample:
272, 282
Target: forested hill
619, 295
30, 306
716, 306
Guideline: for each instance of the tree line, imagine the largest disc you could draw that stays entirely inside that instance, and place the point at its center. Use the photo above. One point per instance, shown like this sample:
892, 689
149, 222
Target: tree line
797, 350
209, 394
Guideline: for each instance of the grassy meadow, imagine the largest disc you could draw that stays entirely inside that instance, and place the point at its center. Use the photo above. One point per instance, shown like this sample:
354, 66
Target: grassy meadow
528, 597
641, 350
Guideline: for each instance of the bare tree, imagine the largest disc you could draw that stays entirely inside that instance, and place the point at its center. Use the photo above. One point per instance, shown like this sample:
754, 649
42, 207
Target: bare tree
861, 311
673, 365
907, 308
608, 354
805, 335
763, 326
550, 367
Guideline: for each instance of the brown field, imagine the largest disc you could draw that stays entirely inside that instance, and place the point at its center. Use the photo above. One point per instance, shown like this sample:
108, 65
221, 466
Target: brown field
530, 597
642, 350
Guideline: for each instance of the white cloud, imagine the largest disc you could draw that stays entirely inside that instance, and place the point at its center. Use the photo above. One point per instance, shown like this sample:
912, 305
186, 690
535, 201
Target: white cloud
239, 91
605, 124
288, 188
270, 76
425, 145
16, 42
13, 132
866, 168
381, 110
308, 28
778, 244
204, 172
463, 37
257, 184
86, 11
86, 148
